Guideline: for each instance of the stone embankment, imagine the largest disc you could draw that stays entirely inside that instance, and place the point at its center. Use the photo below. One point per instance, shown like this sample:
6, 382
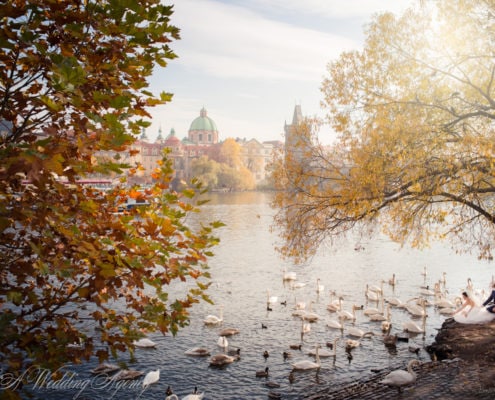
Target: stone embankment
463, 368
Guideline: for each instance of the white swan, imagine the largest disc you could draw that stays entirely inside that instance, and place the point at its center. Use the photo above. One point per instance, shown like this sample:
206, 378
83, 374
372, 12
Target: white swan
334, 305
376, 289
413, 327
344, 314
358, 333
298, 285
194, 395
334, 324
307, 364
396, 302
213, 319
319, 287
399, 378
381, 316
392, 280
197, 351
151, 377
223, 342
289, 276
229, 332
144, 343
310, 315
414, 309
372, 295
270, 299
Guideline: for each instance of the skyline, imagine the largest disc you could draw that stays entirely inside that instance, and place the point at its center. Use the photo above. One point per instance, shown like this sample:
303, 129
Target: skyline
250, 62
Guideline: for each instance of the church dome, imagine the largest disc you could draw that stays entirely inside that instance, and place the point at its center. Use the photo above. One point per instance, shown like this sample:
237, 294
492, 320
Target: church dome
203, 123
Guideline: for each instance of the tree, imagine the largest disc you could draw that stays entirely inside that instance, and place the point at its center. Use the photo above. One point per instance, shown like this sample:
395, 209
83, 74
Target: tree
230, 153
206, 171
73, 82
414, 111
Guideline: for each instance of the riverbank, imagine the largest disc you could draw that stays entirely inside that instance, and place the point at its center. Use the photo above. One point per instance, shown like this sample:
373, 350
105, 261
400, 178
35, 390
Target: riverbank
464, 368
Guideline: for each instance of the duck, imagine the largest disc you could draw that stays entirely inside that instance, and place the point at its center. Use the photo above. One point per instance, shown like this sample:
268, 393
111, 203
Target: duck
295, 346
235, 352
213, 319
194, 395
151, 377
197, 351
219, 360
266, 354
307, 364
400, 378
144, 343
262, 374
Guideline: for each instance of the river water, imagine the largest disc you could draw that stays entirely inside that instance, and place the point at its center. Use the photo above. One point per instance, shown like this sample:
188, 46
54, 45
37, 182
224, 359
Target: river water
244, 268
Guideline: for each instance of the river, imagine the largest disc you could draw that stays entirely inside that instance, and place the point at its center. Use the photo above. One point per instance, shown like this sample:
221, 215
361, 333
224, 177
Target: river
244, 268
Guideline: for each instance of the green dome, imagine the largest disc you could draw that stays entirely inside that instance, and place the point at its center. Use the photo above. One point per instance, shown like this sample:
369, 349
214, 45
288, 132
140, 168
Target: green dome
203, 123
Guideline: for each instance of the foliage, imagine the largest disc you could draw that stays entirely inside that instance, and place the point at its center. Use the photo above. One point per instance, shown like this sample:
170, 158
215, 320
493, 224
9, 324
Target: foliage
73, 82
414, 111
206, 171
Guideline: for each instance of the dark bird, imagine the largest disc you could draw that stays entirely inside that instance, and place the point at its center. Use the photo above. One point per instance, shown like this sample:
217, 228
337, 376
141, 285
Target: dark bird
263, 326
265, 354
295, 346
262, 374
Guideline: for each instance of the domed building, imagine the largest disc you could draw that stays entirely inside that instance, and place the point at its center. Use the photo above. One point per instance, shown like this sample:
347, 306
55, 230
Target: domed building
203, 130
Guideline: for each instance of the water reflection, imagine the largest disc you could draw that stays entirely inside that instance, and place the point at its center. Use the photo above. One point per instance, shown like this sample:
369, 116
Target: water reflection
246, 268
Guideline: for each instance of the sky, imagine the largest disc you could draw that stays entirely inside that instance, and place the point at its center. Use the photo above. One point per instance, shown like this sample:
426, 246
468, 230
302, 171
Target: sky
250, 62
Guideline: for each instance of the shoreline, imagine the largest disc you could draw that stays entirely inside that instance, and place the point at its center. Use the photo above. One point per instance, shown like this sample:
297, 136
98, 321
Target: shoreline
463, 368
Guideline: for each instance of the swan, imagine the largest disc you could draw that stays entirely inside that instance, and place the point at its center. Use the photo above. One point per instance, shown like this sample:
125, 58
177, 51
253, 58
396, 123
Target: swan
392, 281
381, 316
359, 333
289, 276
388, 339
307, 364
105, 368
319, 288
213, 319
335, 305
394, 301
424, 273
262, 374
194, 395
325, 352
413, 327
298, 285
197, 351
376, 289
151, 377
372, 295
414, 309
351, 344
220, 360
126, 374
347, 314
310, 315
334, 324
229, 332
270, 299
144, 343
223, 342
300, 305
399, 378
386, 326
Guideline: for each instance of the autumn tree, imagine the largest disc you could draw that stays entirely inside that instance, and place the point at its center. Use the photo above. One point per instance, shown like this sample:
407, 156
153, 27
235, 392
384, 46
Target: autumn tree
230, 153
206, 171
74, 82
415, 113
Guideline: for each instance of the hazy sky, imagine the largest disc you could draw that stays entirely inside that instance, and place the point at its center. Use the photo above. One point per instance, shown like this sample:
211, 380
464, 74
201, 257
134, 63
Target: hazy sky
249, 62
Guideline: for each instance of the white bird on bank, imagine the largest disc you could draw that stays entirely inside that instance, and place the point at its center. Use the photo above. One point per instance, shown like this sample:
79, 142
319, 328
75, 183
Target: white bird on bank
400, 378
